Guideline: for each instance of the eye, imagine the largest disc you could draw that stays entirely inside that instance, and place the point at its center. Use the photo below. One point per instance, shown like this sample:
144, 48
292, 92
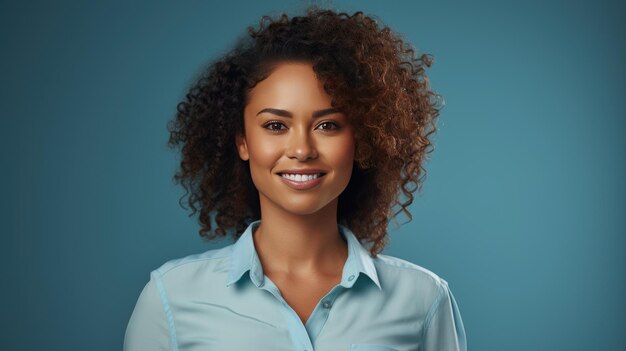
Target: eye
273, 123
336, 126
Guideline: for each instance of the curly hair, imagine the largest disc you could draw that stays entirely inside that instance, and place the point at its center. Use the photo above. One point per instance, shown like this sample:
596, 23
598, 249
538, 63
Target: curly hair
371, 75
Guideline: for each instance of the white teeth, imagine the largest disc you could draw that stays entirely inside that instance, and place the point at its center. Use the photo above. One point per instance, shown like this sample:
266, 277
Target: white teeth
300, 177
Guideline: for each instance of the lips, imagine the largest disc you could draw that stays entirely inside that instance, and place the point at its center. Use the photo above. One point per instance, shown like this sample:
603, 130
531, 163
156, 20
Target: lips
307, 171
319, 174
299, 184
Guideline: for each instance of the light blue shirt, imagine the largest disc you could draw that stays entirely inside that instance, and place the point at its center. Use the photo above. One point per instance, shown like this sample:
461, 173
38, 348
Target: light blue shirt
207, 302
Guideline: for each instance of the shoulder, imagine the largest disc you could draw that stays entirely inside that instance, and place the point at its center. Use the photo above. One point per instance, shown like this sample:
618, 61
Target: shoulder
421, 281
207, 261
407, 268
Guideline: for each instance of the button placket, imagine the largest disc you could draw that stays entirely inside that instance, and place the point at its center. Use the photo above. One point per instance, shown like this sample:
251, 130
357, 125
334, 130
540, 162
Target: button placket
297, 331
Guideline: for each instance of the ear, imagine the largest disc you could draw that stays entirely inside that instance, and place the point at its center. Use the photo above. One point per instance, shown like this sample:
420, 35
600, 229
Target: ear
242, 146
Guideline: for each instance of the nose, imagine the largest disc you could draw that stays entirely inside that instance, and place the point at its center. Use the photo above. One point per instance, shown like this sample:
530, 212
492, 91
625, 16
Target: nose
300, 145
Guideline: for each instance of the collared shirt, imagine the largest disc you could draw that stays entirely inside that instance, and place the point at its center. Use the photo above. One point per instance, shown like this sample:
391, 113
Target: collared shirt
221, 300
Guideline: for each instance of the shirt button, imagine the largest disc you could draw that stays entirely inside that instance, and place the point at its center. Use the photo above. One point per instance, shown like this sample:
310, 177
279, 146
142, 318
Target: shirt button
326, 304
351, 277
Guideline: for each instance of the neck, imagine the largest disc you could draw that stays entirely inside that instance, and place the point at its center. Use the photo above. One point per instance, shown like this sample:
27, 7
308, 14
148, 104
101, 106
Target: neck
300, 245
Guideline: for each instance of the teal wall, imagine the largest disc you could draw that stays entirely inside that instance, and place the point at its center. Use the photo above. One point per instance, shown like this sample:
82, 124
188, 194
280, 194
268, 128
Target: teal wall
522, 211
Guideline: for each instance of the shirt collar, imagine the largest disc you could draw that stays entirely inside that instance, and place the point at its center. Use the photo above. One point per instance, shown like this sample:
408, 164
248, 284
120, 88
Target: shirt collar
244, 258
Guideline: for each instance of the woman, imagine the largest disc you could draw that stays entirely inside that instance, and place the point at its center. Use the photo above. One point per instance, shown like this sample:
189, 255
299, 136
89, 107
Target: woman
300, 140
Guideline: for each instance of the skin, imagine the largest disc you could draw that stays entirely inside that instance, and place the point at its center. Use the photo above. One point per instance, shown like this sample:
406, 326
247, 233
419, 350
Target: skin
298, 241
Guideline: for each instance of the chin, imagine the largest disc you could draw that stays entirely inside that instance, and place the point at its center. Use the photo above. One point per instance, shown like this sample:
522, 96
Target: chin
302, 204
302, 209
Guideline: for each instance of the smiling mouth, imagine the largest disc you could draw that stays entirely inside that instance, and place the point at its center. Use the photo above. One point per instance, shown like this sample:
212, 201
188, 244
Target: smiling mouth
301, 177
302, 182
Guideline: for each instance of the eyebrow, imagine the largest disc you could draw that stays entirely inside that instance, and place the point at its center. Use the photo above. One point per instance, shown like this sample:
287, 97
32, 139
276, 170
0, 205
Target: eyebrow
285, 113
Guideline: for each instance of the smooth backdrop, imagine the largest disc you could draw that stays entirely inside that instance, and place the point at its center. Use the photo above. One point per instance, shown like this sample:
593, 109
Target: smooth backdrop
522, 211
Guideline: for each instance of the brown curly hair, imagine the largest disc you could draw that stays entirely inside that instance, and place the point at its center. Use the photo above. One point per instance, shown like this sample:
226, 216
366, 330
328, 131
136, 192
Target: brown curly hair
371, 75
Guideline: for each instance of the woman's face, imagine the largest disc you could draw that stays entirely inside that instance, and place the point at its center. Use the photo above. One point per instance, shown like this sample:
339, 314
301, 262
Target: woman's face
290, 125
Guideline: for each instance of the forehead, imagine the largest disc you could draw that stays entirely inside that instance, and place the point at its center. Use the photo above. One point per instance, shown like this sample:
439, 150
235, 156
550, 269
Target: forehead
290, 83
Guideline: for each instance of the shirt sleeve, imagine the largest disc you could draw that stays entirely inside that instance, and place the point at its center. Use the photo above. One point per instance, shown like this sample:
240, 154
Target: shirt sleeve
443, 327
148, 327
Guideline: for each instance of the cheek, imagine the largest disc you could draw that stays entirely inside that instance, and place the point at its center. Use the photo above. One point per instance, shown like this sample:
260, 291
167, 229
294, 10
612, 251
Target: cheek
348, 146
341, 153
263, 151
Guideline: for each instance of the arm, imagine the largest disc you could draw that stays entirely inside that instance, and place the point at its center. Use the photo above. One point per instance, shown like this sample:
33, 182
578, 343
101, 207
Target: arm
148, 327
443, 327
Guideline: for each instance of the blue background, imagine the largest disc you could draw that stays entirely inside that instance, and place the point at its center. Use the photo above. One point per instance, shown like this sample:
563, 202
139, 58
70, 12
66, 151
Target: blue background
522, 211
